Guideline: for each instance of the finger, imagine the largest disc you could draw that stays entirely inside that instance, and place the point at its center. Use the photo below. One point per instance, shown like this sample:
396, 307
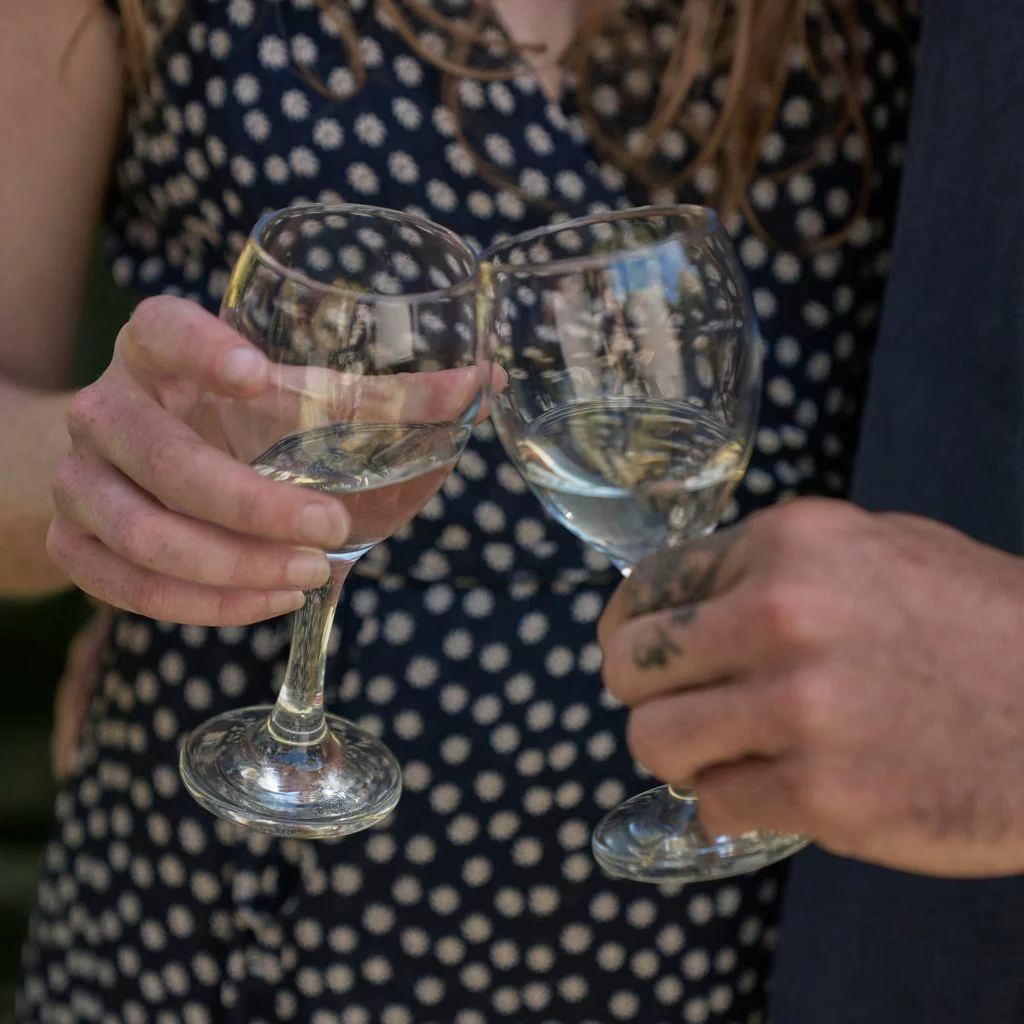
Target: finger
680, 575
751, 795
75, 689
301, 399
680, 736
169, 460
104, 503
69, 717
86, 648
168, 337
98, 571
677, 648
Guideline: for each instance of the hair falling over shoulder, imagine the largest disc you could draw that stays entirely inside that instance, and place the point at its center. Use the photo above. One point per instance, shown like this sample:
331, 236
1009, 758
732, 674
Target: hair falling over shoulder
714, 90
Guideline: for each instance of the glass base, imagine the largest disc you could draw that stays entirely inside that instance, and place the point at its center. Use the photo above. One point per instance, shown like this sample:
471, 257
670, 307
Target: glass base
235, 767
657, 837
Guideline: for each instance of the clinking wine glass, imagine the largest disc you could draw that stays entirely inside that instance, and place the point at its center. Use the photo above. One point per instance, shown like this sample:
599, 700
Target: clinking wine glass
634, 365
369, 319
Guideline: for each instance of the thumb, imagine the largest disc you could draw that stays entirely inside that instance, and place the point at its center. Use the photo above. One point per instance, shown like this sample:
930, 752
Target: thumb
169, 338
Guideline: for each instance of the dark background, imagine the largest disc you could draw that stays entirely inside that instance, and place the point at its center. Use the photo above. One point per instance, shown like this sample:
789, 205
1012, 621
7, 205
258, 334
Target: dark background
33, 639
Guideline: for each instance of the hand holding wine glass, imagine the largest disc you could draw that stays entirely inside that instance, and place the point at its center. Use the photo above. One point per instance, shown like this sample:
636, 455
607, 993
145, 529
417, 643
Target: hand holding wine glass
345, 361
368, 318
153, 515
633, 359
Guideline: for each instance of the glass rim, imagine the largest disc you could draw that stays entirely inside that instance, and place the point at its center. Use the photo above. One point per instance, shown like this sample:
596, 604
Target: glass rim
490, 255
362, 209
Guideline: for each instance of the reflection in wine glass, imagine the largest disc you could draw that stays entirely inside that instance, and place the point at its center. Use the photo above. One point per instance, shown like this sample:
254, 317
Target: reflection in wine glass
369, 319
634, 367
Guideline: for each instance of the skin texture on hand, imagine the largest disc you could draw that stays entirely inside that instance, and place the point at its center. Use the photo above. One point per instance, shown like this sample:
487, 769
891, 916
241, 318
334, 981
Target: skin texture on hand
152, 518
156, 514
822, 670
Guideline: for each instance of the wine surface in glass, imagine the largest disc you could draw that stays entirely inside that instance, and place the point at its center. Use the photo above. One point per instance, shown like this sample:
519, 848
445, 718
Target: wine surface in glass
383, 472
627, 475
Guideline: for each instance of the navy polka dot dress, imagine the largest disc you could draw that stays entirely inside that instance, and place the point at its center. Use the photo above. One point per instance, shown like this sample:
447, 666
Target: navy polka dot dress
467, 642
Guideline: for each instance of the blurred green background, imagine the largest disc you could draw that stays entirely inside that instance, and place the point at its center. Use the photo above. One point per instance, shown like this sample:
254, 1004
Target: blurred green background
33, 639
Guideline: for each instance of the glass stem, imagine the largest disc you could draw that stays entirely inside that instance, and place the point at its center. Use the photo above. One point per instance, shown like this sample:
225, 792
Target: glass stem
671, 794
298, 715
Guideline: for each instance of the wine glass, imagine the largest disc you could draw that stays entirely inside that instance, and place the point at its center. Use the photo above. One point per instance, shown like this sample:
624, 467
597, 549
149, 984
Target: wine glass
634, 371
368, 318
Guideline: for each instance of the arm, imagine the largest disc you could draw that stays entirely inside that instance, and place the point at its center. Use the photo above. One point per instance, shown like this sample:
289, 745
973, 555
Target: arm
127, 485
60, 98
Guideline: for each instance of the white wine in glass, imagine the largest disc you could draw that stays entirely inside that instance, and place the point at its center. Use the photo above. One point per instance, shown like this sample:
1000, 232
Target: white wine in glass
634, 373
369, 319
631, 474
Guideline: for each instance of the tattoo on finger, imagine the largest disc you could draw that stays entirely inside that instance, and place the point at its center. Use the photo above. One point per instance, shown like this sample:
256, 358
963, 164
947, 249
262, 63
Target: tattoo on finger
684, 616
680, 576
656, 654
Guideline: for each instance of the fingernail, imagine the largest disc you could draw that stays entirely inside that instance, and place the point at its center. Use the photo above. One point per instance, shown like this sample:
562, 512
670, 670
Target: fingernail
307, 569
324, 525
242, 367
281, 602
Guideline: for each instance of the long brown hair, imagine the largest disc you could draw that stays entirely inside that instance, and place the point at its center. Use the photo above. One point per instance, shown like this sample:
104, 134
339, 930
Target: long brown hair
748, 45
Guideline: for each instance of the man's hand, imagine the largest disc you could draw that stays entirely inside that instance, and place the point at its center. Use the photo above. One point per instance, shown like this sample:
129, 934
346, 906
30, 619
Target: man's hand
822, 670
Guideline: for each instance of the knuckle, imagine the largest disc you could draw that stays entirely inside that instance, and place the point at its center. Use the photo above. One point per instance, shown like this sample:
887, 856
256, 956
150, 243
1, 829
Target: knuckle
134, 595
164, 458
85, 413
790, 613
809, 523
162, 325
194, 335
135, 538
234, 609
803, 518
149, 317
146, 595
250, 507
815, 794
644, 740
123, 337
234, 568
804, 703
227, 610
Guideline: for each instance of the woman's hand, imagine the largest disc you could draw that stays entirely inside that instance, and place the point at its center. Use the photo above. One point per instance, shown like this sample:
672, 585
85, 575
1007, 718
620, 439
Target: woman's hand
151, 515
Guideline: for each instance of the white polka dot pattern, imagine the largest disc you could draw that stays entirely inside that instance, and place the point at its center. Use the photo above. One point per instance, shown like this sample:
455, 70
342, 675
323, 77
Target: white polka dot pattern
467, 642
